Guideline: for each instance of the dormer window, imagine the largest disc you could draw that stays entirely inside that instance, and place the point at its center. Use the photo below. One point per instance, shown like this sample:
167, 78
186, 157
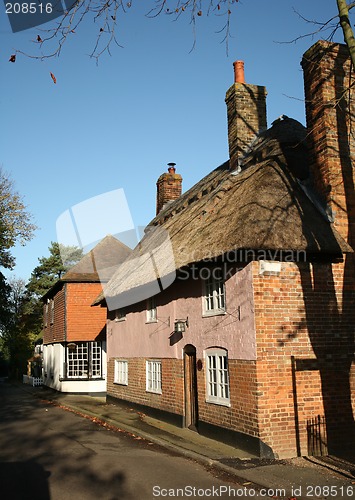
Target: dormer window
151, 310
120, 314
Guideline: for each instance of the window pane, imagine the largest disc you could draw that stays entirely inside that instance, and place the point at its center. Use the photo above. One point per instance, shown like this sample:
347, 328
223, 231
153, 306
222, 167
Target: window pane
217, 376
214, 292
96, 359
153, 372
121, 372
84, 360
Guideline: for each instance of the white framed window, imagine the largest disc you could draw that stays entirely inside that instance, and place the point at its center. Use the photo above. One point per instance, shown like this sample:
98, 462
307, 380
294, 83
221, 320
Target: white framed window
153, 376
121, 372
151, 310
217, 379
214, 300
95, 359
84, 360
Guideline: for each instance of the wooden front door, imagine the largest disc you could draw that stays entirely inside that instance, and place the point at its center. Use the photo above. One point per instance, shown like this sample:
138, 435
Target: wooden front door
191, 401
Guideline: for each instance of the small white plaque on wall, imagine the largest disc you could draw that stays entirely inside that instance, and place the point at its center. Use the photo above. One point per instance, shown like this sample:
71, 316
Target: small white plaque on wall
269, 268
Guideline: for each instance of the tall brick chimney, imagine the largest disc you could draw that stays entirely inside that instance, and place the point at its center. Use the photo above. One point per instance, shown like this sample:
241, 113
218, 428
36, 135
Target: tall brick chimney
330, 111
246, 111
168, 187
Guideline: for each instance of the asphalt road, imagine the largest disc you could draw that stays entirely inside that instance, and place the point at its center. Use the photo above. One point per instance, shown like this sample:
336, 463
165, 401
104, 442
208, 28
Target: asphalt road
49, 453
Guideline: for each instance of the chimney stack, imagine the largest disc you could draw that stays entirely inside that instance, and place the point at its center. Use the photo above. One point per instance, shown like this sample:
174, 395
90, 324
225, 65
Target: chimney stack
246, 111
168, 187
330, 106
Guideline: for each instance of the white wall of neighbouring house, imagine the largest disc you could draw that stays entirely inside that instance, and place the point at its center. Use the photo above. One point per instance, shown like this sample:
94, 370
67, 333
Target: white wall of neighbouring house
53, 358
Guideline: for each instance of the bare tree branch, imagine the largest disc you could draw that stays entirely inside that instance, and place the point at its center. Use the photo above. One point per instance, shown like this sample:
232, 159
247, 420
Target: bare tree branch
106, 15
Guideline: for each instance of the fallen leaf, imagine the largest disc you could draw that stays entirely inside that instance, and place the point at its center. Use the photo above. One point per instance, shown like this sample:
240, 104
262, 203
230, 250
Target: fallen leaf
12, 58
53, 78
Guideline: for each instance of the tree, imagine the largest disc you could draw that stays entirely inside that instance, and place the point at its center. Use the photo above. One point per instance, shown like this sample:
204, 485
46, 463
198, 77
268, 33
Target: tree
5, 304
16, 342
15, 222
343, 10
21, 305
15, 227
106, 16
52, 268
43, 277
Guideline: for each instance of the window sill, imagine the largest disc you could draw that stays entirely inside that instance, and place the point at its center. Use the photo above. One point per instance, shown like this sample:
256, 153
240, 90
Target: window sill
216, 312
154, 392
125, 384
219, 403
149, 321
80, 379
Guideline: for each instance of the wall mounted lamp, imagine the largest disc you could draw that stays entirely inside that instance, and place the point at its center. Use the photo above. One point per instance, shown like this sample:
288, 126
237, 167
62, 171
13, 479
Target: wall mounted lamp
180, 325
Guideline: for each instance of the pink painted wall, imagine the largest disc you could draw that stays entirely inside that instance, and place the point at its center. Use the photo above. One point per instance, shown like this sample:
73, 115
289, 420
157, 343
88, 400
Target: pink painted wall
234, 331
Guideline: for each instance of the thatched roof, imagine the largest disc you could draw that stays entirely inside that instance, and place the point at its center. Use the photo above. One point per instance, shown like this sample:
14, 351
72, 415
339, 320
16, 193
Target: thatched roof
267, 206
98, 265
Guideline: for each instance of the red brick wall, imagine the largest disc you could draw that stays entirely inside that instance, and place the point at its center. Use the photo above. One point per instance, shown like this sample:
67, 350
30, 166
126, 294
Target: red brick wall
330, 107
304, 313
84, 322
171, 399
242, 415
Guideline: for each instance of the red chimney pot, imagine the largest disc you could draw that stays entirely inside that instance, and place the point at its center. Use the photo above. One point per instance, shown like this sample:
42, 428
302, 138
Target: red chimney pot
239, 72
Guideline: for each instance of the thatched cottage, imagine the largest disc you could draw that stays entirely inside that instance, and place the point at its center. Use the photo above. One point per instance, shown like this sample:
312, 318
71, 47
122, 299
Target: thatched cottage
235, 314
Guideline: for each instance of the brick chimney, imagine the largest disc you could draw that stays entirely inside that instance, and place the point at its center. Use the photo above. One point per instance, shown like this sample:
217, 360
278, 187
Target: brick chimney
246, 111
330, 105
168, 187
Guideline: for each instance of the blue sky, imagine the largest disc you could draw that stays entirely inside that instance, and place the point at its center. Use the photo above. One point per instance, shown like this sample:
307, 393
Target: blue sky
116, 125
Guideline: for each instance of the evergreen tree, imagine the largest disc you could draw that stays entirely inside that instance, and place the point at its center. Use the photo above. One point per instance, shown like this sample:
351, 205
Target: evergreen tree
52, 268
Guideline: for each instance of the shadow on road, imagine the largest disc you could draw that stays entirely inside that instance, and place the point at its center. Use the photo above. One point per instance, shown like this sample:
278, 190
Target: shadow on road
24, 480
